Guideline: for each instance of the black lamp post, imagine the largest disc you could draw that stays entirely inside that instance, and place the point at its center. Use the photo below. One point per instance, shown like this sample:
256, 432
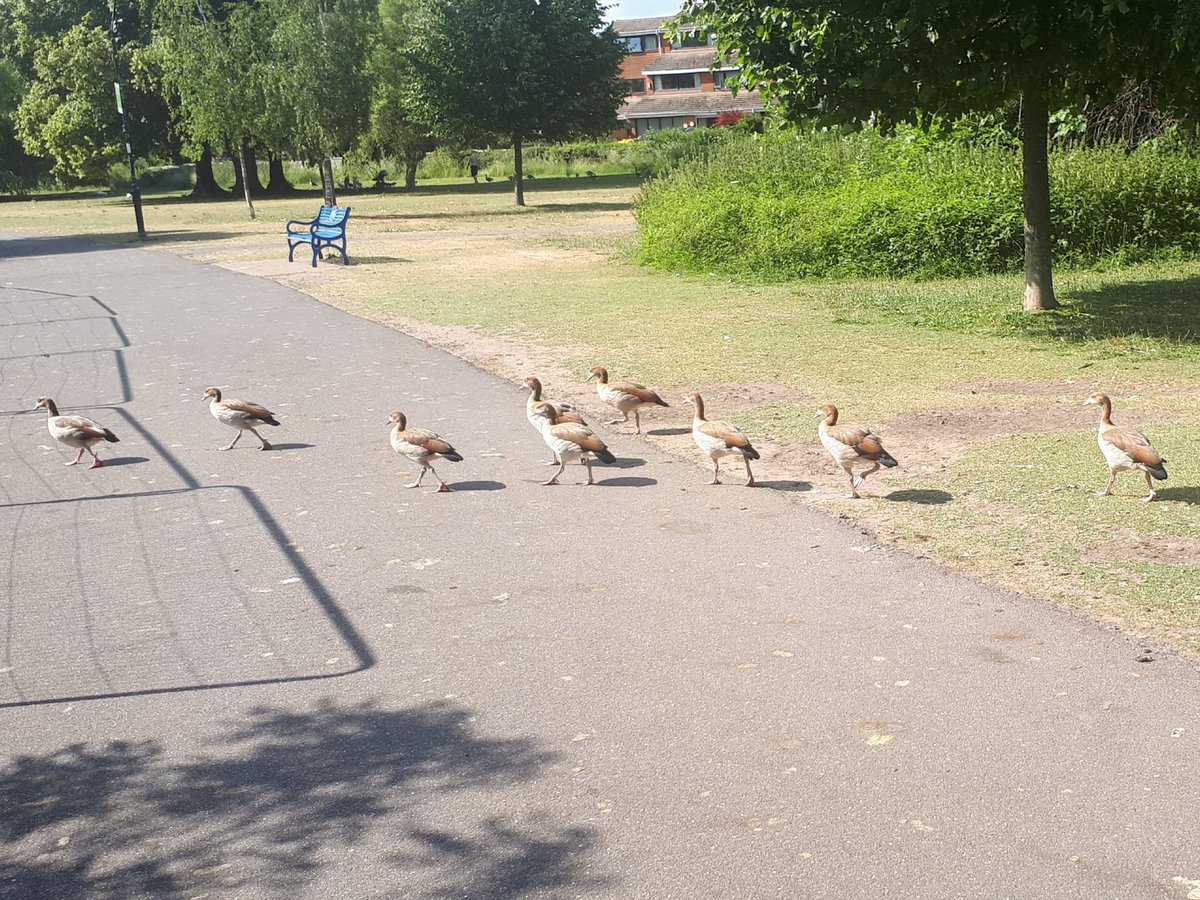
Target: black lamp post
134, 191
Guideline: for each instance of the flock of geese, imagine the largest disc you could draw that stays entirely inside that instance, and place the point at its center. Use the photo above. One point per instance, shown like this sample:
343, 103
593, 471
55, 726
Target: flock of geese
855, 449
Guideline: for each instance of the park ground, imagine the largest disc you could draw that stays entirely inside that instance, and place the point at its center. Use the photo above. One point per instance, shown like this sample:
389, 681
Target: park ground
981, 404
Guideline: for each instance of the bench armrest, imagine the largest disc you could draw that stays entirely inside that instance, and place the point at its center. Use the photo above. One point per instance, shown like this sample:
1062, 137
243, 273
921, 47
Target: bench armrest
307, 223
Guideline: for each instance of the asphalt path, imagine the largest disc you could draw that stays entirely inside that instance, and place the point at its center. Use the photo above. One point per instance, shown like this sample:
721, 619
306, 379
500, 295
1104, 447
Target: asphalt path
281, 674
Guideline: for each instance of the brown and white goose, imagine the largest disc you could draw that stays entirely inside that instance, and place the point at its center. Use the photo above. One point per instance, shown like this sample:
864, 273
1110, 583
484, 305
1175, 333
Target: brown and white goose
570, 441
563, 412
717, 439
75, 431
626, 396
853, 447
241, 415
1125, 450
422, 447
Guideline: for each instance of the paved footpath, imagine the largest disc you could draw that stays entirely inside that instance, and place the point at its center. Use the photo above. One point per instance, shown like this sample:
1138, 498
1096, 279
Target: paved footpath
281, 675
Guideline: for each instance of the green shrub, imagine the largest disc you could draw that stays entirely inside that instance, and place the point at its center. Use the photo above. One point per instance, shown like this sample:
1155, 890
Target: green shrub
798, 205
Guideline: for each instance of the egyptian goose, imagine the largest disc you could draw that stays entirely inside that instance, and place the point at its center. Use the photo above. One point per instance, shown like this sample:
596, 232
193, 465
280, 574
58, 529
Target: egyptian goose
852, 447
570, 441
75, 431
421, 447
716, 439
563, 412
1125, 450
626, 396
241, 415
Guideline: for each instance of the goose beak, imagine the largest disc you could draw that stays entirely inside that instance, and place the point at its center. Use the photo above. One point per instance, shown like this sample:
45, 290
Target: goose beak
589, 378
687, 400
819, 415
1089, 402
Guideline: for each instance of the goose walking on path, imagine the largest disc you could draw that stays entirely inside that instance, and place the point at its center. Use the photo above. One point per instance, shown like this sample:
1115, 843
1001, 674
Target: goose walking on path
75, 431
563, 412
717, 439
626, 396
853, 447
571, 441
422, 447
1125, 450
241, 415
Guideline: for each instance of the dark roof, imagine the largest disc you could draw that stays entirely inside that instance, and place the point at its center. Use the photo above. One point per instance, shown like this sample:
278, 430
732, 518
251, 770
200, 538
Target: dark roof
650, 25
689, 103
700, 60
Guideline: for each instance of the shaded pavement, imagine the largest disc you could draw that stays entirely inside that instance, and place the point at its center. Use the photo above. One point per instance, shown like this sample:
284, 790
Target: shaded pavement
281, 674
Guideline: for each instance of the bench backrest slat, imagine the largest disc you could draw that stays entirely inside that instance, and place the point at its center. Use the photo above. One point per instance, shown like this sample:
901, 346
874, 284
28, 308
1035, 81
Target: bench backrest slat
332, 215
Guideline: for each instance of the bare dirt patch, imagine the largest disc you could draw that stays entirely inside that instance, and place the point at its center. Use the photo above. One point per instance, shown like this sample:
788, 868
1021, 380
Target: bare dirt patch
1144, 548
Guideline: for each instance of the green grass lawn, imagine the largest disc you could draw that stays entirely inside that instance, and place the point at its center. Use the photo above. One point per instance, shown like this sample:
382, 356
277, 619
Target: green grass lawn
981, 403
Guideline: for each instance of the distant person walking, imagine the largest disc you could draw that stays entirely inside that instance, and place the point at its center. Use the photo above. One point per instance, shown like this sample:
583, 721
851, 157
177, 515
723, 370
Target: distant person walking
473, 162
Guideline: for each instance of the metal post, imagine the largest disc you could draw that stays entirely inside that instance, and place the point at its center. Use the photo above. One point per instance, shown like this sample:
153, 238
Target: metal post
134, 191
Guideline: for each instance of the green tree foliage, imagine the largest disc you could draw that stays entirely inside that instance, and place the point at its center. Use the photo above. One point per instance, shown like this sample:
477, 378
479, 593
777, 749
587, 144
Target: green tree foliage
516, 69
68, 112
891, 60
320, 50
396, 125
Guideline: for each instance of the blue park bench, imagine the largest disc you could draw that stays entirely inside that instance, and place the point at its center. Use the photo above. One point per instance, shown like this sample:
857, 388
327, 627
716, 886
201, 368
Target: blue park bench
328, 229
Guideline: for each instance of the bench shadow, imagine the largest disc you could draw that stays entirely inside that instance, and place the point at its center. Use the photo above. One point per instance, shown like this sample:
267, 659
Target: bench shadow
923, 498
628, 481
457, 486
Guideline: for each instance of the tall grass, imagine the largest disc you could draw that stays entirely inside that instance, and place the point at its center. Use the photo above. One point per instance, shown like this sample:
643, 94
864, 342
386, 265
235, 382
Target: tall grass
866, 206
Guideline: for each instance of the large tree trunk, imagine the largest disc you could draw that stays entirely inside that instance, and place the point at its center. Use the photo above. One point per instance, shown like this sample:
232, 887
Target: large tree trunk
206, 183
1035, 134
327, 181
243, 163
277, 183
249, 169
410, 173
518, 173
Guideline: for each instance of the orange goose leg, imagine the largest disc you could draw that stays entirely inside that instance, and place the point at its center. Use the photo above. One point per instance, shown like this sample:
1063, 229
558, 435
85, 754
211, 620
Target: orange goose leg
445, 488
237, 438
1150, 487
1112, 479
96, 464
554, 478
749, 474
590, 480
265, 444
417, 483
77, 458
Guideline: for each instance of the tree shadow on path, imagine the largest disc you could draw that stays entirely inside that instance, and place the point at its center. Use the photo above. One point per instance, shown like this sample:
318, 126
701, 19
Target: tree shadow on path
275, 800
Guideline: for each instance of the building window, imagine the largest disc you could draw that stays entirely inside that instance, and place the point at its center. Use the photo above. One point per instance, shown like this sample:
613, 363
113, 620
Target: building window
686, 82
642, 43
722, 81
694, 39
635, 85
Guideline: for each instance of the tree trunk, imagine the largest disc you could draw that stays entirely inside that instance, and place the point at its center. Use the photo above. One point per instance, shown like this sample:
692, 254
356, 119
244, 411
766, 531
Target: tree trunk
277, 183
242, 154
410, 173
327, 184
518, 173
1035, 134
206, 183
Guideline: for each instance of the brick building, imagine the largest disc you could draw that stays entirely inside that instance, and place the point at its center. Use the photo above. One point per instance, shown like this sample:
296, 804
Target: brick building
675, 84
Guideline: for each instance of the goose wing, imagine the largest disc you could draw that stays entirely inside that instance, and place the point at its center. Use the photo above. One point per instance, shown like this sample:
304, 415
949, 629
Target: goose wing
725, 431
640, 391
249, 408
580, 435
1135, 444
865, 444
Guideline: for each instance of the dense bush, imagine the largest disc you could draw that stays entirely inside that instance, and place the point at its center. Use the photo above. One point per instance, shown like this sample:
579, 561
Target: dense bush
861, 205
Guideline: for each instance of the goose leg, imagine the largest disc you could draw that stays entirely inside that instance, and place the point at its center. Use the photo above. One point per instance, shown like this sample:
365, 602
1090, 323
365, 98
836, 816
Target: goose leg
620, 421
445, 488
1150, 487
863, 476
417, 483
77, 458
749, 474
1112, 478
587, 462
637, 420
265, 444
716, 479
853, 495
96, 464
237, 438
554, 477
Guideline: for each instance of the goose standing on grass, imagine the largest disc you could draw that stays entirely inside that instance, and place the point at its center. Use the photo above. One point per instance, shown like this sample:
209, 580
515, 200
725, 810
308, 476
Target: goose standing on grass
852, 447
716, 439
421, 446
75, 431
1125, 450
626, 396
563, 412
570, 441
241, 415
